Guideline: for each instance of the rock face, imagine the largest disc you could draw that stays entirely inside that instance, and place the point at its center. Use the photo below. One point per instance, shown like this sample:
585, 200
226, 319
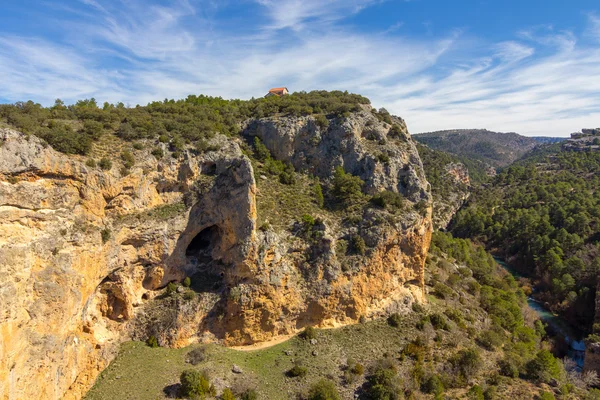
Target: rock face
445, 208
85, 252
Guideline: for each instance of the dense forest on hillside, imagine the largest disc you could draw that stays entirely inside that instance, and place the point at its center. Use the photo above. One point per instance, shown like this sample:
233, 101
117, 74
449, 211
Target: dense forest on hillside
543, 215
73, 128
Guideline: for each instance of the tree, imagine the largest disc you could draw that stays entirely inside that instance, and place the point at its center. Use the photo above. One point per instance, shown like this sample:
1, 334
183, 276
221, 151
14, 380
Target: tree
346, 187
323, 390
544, 367
196, 383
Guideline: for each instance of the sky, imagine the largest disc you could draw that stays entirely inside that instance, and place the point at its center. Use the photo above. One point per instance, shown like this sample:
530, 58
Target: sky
526, 66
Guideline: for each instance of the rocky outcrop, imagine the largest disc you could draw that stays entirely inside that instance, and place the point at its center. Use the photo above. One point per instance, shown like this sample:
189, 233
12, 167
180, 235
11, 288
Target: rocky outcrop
84, 253
444, 207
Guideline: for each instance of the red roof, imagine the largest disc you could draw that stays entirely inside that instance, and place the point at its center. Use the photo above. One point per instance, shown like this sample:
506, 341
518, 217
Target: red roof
278, 90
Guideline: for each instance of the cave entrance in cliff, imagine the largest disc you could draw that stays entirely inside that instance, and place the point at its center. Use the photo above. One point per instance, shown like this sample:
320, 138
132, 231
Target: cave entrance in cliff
209, 272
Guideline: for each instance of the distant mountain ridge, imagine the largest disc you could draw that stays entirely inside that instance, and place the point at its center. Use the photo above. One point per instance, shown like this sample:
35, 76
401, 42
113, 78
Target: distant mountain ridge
497, 149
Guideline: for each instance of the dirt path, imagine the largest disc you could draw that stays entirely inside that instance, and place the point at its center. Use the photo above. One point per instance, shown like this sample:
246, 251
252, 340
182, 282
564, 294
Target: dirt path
264, 345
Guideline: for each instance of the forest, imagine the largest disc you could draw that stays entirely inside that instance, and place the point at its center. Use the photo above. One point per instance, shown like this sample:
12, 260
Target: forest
542, 214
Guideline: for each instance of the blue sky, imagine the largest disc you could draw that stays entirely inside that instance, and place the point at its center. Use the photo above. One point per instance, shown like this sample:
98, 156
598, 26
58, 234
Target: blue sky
528, 66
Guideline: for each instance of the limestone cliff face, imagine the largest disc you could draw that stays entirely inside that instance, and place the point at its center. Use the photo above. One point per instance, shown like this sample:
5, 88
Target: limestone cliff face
85, 252
444, 207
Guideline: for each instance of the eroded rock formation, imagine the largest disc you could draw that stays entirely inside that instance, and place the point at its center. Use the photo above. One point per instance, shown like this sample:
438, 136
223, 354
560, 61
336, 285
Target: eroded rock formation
84, 253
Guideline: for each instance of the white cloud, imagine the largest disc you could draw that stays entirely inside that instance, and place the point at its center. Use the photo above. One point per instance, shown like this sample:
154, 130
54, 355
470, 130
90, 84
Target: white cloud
541, 82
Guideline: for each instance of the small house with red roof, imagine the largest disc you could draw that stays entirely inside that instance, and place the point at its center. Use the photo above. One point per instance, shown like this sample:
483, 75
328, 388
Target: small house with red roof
278, 91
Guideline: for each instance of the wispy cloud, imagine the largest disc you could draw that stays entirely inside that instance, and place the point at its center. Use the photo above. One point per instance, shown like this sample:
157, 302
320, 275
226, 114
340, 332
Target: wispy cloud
539, 82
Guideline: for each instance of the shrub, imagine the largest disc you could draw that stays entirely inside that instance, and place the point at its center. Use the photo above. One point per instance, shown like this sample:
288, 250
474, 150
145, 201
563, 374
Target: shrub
341, 247
249, 394
227, 394
195, 383
138, 146
394, 320
91, 163
189, 295
309, 333
466, 364
158, 153
475, 393
383, 158
490, 340
187, 281
260, 150
171, 288
347, 188
163, 138
439, 321
418, 308
152, 341
544, 367
265, 226
359, 245
388, 200
384, 384
105, 163
322, 121
318, 193
105, 234
196, 356
508, 367
128, 159
308, 221
323, 390
433, 385
442, 291
297, 371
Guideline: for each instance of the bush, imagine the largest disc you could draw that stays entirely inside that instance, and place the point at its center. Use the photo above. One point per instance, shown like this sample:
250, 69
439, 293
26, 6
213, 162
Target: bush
158, 153
322, 121
490, 340
442, 291
323, 390
394, 320
152, 341
466, 364
189, 295
138, 146
297, 371
196, 356
508, 367
128, 159
171, 288
309, 333
318, 193
359, 245
187, 282
347, 188
227, 394
433, 385
260, 150
475, 393
388, 200
383, 158
105, 163
105, 235
439, 321
91, 163
196, 383
384, 383
544, 367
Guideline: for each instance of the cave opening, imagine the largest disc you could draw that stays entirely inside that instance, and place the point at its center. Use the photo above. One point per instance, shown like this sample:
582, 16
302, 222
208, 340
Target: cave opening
209, 272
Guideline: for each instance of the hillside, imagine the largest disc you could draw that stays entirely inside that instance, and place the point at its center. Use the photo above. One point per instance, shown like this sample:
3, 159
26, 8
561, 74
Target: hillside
493, 148
543, 215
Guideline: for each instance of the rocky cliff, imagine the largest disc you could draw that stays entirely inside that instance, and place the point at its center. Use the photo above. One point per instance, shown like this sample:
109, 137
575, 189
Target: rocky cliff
85, 253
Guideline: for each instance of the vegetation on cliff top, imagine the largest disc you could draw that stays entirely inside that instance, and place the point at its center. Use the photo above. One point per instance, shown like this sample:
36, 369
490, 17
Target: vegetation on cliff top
73, 128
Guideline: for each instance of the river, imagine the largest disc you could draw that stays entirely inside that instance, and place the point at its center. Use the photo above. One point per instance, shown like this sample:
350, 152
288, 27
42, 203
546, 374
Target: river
561, 328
